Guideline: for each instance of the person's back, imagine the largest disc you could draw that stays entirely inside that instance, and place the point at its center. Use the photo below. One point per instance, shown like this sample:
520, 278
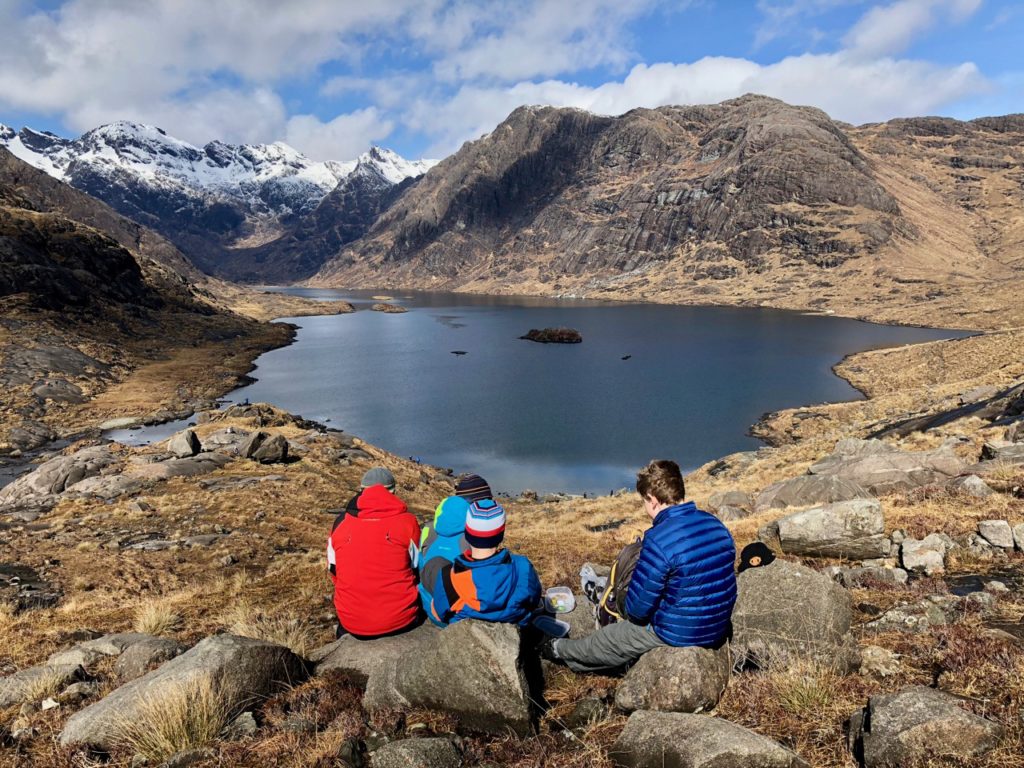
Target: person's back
442, 541
486, 583
684, 584
374, 555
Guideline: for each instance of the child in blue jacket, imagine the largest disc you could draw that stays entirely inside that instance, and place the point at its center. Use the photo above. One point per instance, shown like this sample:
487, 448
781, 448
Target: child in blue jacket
441, 542
486, 583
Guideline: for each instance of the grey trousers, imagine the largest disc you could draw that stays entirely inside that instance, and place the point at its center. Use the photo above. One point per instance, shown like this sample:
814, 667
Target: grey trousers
609, 648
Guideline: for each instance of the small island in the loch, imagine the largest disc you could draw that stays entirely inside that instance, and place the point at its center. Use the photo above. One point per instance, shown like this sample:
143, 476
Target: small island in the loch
554, 336
389, 308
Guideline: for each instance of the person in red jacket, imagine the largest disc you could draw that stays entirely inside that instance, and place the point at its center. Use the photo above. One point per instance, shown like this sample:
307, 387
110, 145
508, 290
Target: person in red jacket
372, 557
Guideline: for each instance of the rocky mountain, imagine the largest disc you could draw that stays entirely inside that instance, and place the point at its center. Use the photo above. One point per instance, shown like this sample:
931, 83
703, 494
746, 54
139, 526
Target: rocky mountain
209, 201
751, 201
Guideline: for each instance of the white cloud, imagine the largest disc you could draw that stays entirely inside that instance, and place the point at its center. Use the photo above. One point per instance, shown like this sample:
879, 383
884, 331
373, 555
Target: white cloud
890, 29
343, 137
846, 87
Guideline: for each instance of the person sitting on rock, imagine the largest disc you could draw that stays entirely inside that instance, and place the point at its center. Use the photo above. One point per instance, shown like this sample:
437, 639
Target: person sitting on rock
375, 476
683, 588
473, 488
442, 541
372, 557
486, 583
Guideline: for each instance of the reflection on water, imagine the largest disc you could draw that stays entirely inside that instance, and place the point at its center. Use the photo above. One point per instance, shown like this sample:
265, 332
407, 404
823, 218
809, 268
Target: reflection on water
647, 381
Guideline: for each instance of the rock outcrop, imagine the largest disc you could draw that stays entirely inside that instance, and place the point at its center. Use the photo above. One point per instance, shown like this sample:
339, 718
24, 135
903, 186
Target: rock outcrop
661, 739
240, 669
787, 612
916, 724
809, 491
882, 468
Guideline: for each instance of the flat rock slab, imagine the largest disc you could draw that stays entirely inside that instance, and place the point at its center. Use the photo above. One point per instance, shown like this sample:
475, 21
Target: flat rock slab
240, 669
417, 753
918, 723
676, 680
473, 672
852, 529
200, 464
998, 533
357, 659
139, 658
809, 491
674, 740
21, 686
787, 612
882, 468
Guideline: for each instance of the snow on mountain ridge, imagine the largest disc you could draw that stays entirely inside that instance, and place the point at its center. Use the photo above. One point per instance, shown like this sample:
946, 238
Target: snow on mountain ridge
273, 179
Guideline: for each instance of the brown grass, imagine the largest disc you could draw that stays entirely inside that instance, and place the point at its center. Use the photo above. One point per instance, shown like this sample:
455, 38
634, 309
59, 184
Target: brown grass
156, 618
187, 717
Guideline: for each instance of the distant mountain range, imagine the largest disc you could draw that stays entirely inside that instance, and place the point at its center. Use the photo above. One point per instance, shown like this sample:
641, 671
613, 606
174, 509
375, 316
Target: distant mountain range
221, 204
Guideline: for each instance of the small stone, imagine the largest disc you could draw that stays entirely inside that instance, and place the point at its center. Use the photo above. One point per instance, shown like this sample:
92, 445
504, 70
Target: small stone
878, 662
974, 486
587, 712
927, 556
49, 704
242, 726
78, 692
997, 587
227, 561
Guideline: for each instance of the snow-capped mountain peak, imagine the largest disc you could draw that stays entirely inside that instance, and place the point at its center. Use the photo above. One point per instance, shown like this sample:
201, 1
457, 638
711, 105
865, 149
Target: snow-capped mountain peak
391, 166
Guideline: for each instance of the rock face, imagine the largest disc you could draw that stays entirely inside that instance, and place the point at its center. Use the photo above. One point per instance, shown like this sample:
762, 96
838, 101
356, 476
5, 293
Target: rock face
851, 529
473, 671
417, 753
676, 680
786, 612
553, 336
882, 468
916, 724
663, 739
809, 491
242, 670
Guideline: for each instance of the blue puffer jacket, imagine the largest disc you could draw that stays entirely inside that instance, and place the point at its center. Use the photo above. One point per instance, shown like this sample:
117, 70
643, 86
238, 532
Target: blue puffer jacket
502, 588
684, 584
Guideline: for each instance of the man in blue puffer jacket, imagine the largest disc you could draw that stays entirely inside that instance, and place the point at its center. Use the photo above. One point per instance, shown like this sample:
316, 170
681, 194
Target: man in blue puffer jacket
682, 591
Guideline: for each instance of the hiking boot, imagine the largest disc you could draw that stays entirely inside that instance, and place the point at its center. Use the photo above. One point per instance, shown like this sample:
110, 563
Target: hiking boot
546, 649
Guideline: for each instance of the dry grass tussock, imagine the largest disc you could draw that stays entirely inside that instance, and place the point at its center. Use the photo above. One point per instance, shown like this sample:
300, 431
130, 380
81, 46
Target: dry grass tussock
189, 716
156, 617
41, 687
288, 630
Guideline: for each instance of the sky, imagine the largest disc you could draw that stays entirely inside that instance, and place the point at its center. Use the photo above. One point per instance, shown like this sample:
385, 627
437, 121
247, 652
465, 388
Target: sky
331, 77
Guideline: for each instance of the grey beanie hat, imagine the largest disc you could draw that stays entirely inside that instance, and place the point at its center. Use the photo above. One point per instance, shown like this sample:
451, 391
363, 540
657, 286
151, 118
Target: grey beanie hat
378, 476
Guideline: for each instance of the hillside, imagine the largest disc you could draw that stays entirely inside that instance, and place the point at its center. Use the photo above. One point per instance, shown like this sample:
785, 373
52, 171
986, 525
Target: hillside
751, 201
89, 299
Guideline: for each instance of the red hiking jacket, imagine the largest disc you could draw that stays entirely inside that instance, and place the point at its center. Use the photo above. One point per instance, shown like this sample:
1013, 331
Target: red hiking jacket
374, 556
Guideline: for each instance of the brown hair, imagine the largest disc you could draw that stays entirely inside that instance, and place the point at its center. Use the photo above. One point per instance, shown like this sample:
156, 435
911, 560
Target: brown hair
661, 479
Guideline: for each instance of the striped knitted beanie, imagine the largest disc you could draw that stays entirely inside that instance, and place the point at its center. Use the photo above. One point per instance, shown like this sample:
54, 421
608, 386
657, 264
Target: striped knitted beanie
473, 488
485, 524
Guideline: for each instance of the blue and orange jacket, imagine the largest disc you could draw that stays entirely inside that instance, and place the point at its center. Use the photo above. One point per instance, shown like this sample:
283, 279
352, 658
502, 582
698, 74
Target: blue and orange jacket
440, 543
684, 584
502, 588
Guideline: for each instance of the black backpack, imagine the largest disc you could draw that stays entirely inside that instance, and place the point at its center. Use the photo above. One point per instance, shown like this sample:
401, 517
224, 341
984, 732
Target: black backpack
612, 605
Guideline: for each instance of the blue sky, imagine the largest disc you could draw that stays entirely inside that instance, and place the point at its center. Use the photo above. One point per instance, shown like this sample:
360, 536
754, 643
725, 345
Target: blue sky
331, 77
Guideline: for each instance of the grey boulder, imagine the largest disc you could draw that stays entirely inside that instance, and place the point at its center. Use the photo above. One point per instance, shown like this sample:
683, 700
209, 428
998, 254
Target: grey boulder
808, 491
674, 740
472, 671
356, 660
184, 444
786, 612
271, 451
241, 670
972, 485
676, 680
927, 555
916, 724
852, 529
436, 752
731, 505
998, 533
200, 464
